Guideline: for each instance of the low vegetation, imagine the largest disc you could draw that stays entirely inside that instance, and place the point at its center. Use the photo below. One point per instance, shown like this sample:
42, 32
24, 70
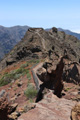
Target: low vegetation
24, 69
24, 65
67, 89
13, 75
30, 92
29, 76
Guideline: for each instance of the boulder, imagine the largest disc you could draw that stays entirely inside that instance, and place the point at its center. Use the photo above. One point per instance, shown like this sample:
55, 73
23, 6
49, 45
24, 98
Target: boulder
50, 108
75, 113
13, 107
14, 115
54, 29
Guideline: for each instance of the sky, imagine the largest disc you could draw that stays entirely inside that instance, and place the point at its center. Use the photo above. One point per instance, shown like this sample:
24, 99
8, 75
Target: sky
41, 13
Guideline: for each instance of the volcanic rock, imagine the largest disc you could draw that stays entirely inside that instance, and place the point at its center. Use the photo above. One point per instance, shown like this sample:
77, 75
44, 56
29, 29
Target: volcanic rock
50, 108
5, 108
51, 77
71, 72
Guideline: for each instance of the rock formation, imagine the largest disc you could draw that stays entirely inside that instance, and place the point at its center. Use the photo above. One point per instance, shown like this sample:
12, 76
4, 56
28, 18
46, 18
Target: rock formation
71, 72
4, 108
51, 78
50, 108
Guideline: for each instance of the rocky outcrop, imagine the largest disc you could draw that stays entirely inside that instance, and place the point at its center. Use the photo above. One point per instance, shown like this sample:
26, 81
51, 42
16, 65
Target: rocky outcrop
51, 76
71, 72
54, 29
50, 108
4, 108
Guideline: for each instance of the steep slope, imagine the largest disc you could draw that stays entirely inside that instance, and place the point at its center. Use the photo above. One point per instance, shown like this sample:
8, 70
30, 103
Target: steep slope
9, 37
38, 43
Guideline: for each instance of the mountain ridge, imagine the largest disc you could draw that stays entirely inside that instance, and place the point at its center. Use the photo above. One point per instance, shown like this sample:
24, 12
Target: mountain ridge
10, 36
38, 43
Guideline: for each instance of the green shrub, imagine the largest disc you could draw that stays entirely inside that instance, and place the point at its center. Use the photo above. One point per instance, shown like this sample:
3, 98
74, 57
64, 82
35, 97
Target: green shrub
37, 61
27, 71
13, 75
5, 79
29, 76
20, 70
17, 76
30, 92
67, 89
33, 61
24, 65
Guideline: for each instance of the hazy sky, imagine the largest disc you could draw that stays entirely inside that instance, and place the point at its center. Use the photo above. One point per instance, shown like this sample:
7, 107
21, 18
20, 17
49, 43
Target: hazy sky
41, 13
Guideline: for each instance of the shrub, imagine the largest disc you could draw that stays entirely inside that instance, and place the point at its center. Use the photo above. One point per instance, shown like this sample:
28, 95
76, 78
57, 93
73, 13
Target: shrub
30, 92
20, 70
33, 61
13, 75
6, 78
67, 89
29, 76
24, 65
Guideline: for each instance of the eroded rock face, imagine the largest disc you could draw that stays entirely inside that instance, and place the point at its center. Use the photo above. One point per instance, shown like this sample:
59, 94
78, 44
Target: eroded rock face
71, 73
6, 108
51, 76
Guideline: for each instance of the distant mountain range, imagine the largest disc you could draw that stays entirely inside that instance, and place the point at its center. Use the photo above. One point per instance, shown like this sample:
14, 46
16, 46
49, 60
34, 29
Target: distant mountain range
10, 36
67, 32
70, 33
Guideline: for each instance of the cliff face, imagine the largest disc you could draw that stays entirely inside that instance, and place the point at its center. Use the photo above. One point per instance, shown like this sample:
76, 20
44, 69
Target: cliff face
38, 43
